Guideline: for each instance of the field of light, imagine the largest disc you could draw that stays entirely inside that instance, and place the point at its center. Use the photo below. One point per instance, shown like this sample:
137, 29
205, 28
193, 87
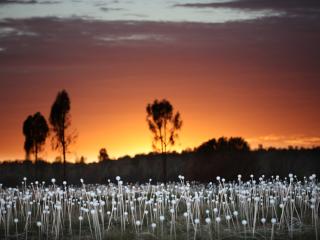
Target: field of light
266, 208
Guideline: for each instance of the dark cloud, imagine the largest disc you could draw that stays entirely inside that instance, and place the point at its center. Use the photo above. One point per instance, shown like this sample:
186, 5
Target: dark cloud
283, 5
137, 15
280, 47
28, 2
108, 9
18, 1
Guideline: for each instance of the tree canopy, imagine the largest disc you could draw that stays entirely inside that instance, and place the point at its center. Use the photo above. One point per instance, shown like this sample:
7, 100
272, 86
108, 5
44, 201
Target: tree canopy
35, 130
164, 124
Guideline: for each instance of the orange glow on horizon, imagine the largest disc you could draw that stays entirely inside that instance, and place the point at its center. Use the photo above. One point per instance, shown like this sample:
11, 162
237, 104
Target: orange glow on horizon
123, 131
120, 126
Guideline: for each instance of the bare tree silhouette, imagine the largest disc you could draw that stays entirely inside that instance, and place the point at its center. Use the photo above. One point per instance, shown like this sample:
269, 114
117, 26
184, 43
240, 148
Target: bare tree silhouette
60, 119
164, 124
35, 130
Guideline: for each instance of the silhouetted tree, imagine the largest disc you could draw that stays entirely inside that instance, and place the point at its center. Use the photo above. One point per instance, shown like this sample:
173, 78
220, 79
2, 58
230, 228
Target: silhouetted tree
238, 144
82, 160
208, 147
103, 155
164, 124
224, 144
60, 120
260, 147
35, 130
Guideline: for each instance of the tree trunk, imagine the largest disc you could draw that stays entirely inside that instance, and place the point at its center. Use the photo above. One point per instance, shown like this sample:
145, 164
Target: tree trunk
164, 153
36, 161
36, 153
64, 149
164, 167
64, 161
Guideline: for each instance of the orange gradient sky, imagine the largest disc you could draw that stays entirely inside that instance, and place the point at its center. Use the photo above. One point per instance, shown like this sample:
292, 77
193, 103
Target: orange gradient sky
258, 79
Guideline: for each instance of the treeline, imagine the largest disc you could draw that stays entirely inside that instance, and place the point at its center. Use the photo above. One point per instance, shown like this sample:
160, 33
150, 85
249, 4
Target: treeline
216, 157
223, 156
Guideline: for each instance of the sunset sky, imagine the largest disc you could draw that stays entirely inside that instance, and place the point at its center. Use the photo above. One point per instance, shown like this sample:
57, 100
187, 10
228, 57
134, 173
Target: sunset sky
247, 68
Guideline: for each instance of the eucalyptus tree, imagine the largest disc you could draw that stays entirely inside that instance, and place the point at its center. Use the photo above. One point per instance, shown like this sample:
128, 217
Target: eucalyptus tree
60, 119
165, 124
36, 130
